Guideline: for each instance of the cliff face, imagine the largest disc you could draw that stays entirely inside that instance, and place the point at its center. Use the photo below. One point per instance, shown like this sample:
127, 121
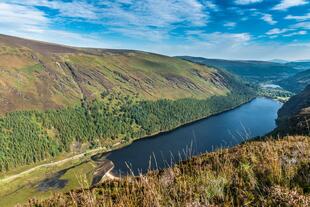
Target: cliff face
294, 116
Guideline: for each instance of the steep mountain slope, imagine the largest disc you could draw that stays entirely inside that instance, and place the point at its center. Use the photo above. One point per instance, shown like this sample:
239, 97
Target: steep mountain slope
294, 116
38, 75
297, 82
251, 70
65, 99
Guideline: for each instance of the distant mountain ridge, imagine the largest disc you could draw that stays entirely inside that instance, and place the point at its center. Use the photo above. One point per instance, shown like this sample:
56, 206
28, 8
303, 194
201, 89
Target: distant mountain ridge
278, 61
297, 82
252, 70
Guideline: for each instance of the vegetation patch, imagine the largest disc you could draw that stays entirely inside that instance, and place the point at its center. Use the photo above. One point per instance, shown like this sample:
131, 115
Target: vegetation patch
253, 174
29, 137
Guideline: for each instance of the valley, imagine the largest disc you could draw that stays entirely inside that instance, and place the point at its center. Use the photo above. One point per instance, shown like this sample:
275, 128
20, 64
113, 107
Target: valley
63, 107
192, 139
268, 171
166, 103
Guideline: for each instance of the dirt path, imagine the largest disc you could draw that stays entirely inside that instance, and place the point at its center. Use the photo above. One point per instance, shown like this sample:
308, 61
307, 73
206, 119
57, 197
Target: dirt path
13, 177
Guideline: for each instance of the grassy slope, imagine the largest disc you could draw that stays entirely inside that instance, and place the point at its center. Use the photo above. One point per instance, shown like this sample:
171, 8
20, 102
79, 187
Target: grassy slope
297, 82
258, 173
251, 70
36, 75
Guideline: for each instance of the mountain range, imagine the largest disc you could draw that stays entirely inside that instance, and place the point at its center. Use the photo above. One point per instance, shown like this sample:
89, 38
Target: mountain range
251, 70
297, 82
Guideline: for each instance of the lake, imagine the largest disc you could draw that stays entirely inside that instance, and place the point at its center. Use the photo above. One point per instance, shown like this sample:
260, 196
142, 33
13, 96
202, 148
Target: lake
227, 129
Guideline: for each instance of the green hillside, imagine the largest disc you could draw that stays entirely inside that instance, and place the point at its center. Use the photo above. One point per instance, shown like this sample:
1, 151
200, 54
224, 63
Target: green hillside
297, 82
37, 75
257, 71
58, 99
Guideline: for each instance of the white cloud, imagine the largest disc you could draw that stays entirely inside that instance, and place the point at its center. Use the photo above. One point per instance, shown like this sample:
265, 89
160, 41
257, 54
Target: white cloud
285, 4
74, 9
299, 18
269, 19
135, 18
139, 12
286, 32
144, 33
23, 18
211, 5
217, 39
277, 31
250, 51
302, 32
245, 2
158, 13
150, 20
29, 22
230, 24
302, 25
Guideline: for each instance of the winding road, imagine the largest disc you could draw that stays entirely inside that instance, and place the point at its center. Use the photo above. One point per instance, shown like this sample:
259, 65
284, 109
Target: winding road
13, 177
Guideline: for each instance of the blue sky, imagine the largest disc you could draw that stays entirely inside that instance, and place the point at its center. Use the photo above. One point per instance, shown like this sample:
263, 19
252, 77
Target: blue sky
230, 29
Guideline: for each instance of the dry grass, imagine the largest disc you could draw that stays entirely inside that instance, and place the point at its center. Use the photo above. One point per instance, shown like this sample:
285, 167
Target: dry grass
258, 173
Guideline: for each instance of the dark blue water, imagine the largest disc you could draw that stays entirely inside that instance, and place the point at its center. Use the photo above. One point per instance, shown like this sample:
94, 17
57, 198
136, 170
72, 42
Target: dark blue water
224, 130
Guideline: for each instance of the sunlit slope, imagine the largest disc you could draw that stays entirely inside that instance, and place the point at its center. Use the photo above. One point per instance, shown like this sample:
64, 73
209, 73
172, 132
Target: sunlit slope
30, 78
151, 76
37, 75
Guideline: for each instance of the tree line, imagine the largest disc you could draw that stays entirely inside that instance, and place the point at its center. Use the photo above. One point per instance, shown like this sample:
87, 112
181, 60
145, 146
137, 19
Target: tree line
31, 136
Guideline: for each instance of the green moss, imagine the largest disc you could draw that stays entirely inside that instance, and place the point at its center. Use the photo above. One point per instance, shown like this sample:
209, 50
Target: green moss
33, 68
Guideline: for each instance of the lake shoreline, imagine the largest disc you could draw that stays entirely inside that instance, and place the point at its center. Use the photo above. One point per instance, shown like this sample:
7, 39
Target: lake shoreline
172, 142
119, 145
111, 176
194, 121
122, 145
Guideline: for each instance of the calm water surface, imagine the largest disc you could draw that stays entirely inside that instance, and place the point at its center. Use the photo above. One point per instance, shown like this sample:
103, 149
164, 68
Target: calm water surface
227, 129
